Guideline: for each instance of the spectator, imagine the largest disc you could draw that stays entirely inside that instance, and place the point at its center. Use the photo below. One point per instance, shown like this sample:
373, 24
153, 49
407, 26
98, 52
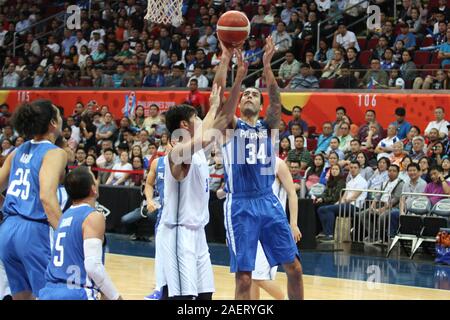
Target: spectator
208, 42
366, 170
408, 68
444, 51
80, 156
334, 147
124, 54
406, 161
26, 81
398, 52
67, 134
100, 79
380, 49
157, 55
295, 26
287, 11
440, 123
315, 66
324, 54
370, 117
120, 178
90, 163
340, 113
164, 145
143, 142
136, 179
387, 60
407, 142
437, 154
11, 79
395, 80
417, 151
202, 81
353, 63
269, 18
153, 77
304, 80
315, 171
380, 175
333, 159
288, 69
384, 147
107, 162
351, 154
415, 185
345, 38
300, 154
333, 68
397, 155
407, 37
438, 82
375, 78
258, 18
52, 45
297, 119
284, 148
433, 139
281, 38
196, 99
7, 147
87, 132
107, 129
344, 137
153, 120
445, 168
351, 201
177, 78
424, 164
438, 185
402, 126
294, 168
296, 130
82, 57
324, 139
138, 117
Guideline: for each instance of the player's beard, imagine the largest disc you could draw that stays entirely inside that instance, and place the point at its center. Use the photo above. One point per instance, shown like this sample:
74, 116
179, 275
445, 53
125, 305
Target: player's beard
249, 112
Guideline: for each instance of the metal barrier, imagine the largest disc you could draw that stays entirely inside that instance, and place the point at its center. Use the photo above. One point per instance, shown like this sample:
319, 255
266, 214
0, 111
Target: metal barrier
368, 224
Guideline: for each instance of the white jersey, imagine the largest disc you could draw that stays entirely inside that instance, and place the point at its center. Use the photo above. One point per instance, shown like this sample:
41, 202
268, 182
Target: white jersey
277, 188
186, 201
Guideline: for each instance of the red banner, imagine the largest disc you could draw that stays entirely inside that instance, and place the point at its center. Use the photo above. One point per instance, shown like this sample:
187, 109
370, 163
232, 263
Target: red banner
317, 106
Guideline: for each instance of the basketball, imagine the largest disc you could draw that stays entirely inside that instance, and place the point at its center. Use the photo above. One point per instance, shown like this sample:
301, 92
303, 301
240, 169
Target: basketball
233, 28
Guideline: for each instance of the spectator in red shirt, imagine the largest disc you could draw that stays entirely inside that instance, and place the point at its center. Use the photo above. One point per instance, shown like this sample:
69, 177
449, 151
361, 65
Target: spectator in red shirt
196, 99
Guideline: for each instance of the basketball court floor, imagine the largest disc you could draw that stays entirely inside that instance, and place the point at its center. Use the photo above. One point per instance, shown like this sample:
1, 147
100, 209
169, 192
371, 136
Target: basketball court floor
329, 274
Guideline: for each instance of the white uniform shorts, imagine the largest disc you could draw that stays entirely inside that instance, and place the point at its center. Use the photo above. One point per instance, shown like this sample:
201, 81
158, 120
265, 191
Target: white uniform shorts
263, 271
182, 261
4, 286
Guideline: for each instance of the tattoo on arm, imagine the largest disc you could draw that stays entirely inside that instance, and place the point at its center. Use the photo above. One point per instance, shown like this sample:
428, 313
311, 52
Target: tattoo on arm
273, 115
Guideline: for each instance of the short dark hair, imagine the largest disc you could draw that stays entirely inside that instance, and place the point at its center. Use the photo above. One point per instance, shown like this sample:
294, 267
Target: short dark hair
356, 140
336, 138
400, 111
296, 107
437, 168
395, 166
108, 150
371, 110
154, 105
413, 165
341, 108
388, 162
67, 127
176, 114
78, 183
355, 162
33, 118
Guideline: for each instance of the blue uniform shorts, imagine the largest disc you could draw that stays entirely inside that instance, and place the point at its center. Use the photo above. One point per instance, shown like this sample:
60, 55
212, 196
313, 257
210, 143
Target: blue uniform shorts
249, 218
61, 291
25, 250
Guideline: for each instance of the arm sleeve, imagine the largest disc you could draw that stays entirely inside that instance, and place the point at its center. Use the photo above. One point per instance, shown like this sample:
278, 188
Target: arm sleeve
95, 268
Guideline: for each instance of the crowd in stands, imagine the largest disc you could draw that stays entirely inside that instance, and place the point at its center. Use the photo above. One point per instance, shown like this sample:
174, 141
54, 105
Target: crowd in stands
116, 47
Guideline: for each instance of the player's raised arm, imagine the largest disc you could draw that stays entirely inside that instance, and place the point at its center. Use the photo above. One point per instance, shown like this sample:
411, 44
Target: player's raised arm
220, 79
93, 237
150, 186
199, 134
50, 176
230, 106
273, 113
286, 180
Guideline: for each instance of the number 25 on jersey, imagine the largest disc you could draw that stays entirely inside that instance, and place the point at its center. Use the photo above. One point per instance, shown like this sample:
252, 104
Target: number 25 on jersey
20, 186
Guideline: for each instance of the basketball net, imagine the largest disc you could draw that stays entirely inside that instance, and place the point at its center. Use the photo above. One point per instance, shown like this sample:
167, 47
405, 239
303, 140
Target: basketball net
165, 12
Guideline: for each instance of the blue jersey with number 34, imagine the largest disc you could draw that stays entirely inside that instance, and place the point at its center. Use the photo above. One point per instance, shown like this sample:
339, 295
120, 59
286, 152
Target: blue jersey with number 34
23, 195
249, 161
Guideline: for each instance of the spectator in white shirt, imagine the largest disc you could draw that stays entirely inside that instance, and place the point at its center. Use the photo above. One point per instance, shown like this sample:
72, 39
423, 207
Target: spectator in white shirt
22, 24
80, 41
11, 79
345, 38
385, 146
350, 202
52, 45
281, 38
201, 79
94, 43
75, 130
440, 123
97, 29
120, 178
208, 42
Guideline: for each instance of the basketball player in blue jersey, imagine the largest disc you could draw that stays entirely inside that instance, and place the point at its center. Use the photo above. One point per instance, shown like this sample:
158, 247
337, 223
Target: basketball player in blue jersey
252, 211
31, 208
181, 241
155, 179
76, 270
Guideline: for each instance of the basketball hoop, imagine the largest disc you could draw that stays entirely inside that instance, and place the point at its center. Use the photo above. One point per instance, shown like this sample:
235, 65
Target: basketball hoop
165, 12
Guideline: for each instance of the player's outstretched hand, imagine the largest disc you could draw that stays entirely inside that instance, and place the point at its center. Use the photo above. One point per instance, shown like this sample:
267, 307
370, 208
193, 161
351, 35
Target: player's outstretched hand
269, 51
226, 53
297, 235
214, 98
242, 65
